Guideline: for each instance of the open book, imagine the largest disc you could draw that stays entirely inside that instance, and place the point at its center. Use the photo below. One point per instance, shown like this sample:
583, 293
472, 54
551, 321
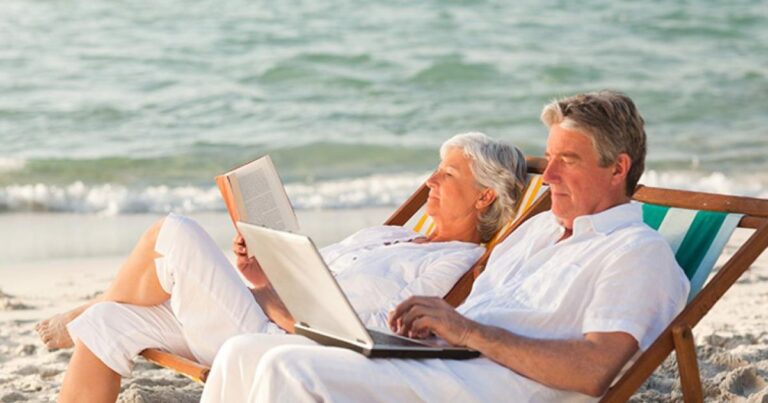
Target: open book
255, 194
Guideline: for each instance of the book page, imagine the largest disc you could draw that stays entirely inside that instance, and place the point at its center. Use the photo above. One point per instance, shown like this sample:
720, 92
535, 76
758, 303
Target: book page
261, 198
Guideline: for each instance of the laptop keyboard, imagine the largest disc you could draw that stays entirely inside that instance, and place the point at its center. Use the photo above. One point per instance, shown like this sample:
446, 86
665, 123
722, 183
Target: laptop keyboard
382, 338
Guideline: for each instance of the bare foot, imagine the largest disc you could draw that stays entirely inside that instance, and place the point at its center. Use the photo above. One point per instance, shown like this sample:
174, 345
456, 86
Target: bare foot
53, 331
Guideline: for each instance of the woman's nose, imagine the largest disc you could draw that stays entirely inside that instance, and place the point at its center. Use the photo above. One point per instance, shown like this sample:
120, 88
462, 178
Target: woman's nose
432, 180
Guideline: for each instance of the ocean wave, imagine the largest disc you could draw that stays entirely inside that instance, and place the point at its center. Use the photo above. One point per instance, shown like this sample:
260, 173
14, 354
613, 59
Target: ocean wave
111, 199
713, 182
380, 190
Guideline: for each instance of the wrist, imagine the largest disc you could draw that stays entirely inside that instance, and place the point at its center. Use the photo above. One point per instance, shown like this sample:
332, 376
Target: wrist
473, 335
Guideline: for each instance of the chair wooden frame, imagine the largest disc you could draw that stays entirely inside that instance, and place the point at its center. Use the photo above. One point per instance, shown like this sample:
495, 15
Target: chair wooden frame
678, 335
199, 373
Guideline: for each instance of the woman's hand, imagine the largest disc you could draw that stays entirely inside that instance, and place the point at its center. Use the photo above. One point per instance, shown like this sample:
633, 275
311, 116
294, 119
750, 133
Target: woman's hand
248, 266
419, 317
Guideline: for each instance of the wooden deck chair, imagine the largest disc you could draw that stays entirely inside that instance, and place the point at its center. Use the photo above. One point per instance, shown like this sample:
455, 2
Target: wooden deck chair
697, 225
410, 214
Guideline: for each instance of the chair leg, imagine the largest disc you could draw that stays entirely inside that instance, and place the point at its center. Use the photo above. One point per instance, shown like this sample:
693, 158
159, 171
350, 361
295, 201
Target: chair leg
685, 351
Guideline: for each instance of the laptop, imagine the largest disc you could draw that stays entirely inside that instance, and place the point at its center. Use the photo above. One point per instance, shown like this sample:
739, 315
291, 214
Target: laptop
322, 312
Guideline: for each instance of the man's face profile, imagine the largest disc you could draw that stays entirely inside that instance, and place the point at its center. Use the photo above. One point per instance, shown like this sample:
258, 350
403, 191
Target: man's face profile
579, 185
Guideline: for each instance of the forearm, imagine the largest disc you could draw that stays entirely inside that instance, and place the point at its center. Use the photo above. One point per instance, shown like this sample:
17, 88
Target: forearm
579, 365
273, 307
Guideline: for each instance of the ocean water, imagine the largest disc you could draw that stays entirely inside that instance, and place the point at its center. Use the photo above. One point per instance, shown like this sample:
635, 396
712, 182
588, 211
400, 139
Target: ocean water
126, 107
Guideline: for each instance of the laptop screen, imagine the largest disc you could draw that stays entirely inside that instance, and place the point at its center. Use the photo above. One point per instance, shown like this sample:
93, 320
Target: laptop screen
300, 277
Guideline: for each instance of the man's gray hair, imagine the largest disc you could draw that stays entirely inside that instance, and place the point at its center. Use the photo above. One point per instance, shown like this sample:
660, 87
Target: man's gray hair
498, 166
613, 122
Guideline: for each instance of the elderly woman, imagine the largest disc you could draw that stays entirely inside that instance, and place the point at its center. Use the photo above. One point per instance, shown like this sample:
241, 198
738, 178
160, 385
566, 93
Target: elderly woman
178, 292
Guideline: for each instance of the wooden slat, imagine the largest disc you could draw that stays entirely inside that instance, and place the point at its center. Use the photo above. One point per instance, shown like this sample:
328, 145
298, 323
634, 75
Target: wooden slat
536, 165
702, 201
685, 352
752, 222
193, 370
410, 207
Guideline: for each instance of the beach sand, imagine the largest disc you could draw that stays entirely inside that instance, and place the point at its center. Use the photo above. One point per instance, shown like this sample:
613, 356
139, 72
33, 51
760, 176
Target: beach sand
732, 340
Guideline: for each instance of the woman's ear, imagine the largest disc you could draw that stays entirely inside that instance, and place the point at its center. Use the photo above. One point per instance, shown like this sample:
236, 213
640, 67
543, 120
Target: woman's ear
487, 197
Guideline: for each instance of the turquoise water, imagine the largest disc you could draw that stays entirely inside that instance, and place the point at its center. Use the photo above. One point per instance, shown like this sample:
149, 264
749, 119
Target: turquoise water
123, 107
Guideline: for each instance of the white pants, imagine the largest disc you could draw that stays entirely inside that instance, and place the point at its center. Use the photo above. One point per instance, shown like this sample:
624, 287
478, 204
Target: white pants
209, 303
291, 368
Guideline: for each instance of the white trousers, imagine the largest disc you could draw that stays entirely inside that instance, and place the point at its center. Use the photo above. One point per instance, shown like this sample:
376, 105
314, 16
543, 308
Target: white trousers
209, 303
291, 368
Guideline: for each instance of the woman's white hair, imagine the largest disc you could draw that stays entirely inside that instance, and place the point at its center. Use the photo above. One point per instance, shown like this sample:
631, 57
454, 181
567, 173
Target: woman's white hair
498, 166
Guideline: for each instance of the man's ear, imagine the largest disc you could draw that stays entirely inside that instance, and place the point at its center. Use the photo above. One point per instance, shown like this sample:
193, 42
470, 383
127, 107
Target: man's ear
621, 168
487, 196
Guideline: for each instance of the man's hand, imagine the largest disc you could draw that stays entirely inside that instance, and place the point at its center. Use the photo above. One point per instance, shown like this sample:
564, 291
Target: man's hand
248, 266
418, 317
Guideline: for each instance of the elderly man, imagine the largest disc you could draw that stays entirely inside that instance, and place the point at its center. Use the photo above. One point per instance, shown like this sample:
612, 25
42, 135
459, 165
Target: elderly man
563, 305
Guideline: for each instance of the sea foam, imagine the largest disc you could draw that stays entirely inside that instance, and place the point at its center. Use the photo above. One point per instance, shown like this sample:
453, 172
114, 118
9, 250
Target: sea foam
111, 199
370, 191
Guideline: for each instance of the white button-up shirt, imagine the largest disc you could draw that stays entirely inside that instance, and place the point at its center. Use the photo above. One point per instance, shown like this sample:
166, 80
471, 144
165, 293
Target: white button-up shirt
613, 274
378, 268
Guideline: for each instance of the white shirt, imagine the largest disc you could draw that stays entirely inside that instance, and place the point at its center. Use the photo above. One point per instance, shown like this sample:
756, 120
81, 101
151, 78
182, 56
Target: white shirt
613, 274
378, 268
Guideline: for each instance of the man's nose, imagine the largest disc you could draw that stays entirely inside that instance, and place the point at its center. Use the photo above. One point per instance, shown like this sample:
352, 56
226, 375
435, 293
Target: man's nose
550, 173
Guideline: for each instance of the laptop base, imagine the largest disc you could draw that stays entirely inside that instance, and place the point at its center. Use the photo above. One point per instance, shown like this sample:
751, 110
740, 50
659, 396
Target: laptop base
416, 352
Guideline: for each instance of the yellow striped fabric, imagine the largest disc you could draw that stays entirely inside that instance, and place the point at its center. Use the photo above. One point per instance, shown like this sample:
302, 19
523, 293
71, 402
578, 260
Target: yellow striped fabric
422, 223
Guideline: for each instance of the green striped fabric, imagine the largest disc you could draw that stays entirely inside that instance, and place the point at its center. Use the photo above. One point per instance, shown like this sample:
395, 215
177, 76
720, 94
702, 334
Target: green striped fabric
697, 237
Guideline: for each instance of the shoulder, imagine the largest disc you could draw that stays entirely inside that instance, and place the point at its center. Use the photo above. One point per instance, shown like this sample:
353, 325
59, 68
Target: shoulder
639, 239
642, 257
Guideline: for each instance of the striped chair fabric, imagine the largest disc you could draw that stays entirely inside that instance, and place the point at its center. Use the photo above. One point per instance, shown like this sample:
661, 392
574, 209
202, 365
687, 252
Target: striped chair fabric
423, 223
697, 237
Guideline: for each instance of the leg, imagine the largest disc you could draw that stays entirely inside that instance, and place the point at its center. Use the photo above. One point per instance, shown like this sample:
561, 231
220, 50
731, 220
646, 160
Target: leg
266, 368
317, 373
208, 304
208, 297
115, 333
107, 337
136, 283
53, 331
234, 368
88, 379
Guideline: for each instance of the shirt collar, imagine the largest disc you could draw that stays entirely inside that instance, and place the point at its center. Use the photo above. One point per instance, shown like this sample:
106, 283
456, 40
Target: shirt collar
609, 220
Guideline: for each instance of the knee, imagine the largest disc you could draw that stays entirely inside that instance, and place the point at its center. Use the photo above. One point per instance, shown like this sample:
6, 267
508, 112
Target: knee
239, 349
231, 348
248, 350
276, 365
149, 237
234, 363
103, 310
286, 362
